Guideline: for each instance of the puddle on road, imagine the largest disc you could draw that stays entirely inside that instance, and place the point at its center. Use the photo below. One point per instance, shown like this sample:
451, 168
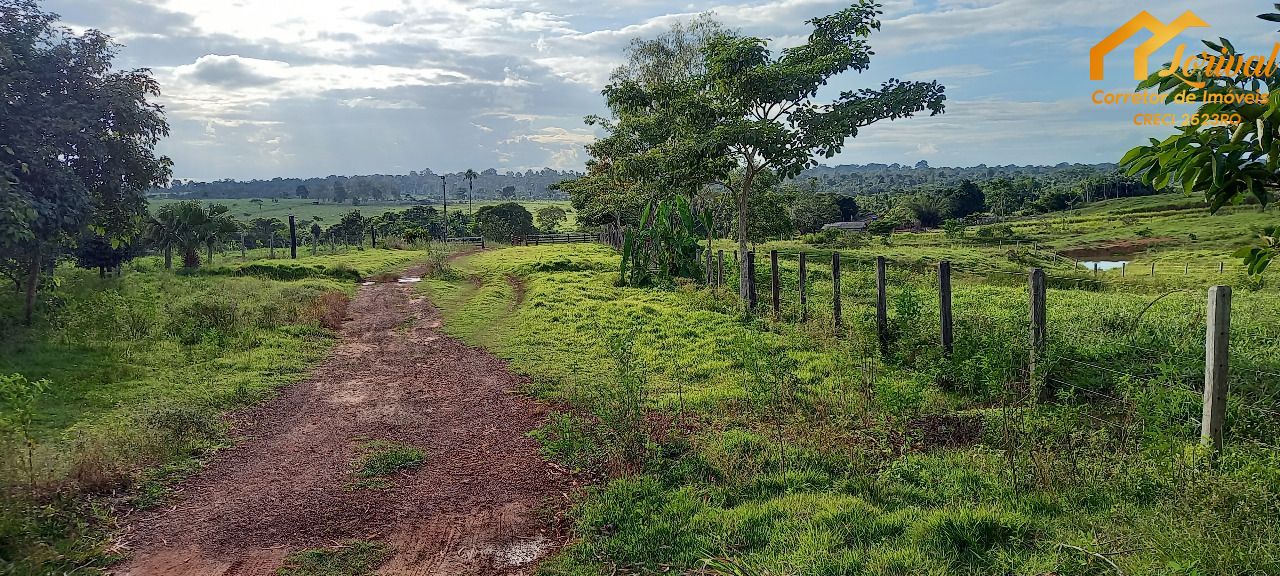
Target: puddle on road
517, 553
367, 283
409, 280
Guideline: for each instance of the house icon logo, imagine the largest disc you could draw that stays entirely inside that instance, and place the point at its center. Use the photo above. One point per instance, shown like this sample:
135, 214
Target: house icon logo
1161, 34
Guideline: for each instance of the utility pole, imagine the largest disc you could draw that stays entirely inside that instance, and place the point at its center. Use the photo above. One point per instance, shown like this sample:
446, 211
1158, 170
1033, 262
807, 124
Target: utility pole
445, 194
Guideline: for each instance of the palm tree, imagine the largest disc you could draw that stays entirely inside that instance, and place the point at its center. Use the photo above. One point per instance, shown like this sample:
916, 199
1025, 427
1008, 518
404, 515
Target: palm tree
163, 232
218, 226
198, 226
471, 176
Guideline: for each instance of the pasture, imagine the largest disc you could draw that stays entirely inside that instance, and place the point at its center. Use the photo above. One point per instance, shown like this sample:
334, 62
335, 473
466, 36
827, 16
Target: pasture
803, 449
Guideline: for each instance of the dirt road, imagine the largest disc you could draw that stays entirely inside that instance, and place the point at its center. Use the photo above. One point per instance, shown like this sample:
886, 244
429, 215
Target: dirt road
483, 502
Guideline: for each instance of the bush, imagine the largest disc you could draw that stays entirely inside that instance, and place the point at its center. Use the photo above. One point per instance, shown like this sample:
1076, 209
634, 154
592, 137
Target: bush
499, 223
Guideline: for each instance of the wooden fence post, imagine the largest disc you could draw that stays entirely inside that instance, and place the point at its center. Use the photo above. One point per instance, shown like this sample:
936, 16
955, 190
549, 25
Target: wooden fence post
1095, 269
1216, 340
1186, 267
804, 287
835, 289
777, 290
1037, 289
882, 305
719, 268
711, 273
1220, 267
944, 304
1153, 269
751, 280
1123, 266
293, 238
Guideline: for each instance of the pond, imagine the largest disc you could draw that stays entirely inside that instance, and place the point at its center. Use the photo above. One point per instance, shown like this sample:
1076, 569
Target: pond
1104, 264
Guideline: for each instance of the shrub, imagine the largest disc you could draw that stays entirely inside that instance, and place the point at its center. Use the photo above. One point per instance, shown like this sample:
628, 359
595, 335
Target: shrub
329, 310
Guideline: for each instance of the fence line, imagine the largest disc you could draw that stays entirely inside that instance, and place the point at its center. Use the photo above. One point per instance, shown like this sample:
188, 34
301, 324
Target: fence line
1214, 393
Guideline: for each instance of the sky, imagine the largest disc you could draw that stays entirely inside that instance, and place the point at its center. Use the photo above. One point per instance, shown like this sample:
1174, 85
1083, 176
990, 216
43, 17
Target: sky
300, 88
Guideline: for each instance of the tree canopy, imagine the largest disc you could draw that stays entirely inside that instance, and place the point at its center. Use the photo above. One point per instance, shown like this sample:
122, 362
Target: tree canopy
741, 109
78, 140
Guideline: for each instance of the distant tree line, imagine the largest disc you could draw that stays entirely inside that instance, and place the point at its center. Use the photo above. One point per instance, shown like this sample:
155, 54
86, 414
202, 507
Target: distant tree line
191, 228
416, 186
1010, 190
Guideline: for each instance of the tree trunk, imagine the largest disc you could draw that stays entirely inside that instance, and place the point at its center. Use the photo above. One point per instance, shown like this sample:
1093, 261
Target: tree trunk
168, 257
273, 246
33, 283
242, 246
744, 287
211, 254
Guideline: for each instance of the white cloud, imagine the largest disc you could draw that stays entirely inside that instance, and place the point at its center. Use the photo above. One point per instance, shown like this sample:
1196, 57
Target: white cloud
956, 71
294, 87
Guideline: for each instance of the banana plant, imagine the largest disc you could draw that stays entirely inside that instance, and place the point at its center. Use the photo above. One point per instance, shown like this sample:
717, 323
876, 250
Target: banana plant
664, 246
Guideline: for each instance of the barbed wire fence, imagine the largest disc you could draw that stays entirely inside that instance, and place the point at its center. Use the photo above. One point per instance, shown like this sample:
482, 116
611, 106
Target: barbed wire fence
1132, 373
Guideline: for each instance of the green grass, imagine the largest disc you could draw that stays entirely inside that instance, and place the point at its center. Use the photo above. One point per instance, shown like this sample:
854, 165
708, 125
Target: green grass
1173, 231
358, 558
382, 458
348, 264
803, 450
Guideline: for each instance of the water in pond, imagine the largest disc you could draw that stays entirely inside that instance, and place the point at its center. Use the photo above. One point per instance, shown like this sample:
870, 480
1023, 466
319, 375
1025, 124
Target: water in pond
1104, 264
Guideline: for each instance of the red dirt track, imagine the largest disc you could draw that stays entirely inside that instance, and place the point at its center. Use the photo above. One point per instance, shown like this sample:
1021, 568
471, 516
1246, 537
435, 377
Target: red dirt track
483, 502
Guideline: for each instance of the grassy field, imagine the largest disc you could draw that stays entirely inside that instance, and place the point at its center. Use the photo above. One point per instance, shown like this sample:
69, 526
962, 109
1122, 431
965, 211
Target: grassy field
780, 447
139, 370
1172, 231
246, 209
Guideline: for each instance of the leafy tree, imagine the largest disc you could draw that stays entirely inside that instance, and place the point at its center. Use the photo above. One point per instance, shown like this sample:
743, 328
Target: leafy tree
339, 192
95, 251
769, 218
899, 216
1225, 163
459, 224
550, 218
508, 191
848, 207
927, 209
501, 222
760, 108
351, 227
964, 200
302, 192
954, 229
650, 152
81, 134
811, 210
263, 232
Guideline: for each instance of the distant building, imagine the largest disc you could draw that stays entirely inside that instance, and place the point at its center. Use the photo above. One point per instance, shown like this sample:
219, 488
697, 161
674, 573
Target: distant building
858, 225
